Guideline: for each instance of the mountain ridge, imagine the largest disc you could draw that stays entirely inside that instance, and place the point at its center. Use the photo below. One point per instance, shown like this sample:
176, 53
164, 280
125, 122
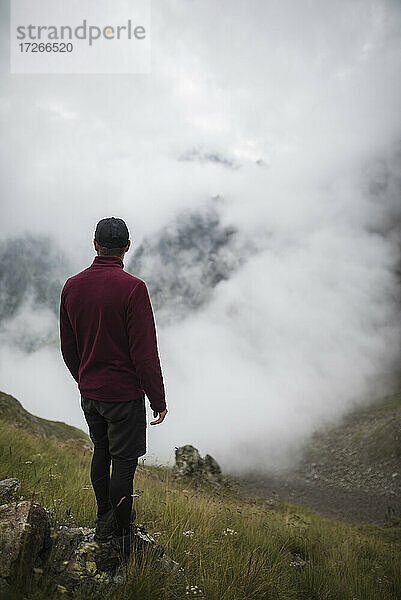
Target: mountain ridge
12, 411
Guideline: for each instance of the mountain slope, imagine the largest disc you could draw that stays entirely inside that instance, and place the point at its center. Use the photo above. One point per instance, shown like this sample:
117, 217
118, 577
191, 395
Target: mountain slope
185, 261
228, 546
350, 471
12, 411
363, 452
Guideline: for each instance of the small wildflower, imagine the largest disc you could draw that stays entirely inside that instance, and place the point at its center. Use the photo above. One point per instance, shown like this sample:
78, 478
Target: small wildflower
298, 562
28, 462
229, 531
193, 590
61, 589
189, 533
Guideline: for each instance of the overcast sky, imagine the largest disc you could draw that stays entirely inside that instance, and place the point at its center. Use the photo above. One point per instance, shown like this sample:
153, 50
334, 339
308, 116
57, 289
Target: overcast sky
300, 102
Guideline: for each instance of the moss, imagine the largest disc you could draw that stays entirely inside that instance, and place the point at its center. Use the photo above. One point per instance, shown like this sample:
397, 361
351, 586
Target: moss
91, 567
102, 577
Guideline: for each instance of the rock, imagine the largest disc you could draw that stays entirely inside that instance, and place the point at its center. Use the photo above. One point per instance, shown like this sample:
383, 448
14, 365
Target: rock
67, 560
8, 487
189, 463
24, 535
211, 467
72, 561
77, 562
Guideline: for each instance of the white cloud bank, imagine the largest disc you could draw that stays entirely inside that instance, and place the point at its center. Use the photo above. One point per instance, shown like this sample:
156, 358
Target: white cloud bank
309, 326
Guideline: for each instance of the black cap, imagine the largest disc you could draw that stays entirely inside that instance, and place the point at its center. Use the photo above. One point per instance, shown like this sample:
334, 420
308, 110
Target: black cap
112, 233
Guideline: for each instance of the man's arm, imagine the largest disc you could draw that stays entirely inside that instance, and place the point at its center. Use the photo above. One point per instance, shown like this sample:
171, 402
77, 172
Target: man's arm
142, 338
68, 342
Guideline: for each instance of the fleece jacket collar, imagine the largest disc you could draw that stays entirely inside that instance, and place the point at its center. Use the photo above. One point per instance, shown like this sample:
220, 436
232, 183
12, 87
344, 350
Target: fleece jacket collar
108, 261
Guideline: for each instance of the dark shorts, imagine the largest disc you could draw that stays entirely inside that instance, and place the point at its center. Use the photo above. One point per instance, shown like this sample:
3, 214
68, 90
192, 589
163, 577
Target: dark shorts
118, 426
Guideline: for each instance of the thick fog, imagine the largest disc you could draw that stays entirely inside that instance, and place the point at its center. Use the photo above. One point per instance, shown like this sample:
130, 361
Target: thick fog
258, 169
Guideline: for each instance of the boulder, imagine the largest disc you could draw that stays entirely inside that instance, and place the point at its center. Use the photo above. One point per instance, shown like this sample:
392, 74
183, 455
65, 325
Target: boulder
78, 563
24, 536
190, 464
211, 467
8, 488
67, 560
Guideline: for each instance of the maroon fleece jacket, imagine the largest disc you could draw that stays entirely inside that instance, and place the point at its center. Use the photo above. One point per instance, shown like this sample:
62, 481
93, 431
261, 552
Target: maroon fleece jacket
108, 334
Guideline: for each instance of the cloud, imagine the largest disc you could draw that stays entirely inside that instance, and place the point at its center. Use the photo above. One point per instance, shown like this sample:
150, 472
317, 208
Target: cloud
308, 325
196, 154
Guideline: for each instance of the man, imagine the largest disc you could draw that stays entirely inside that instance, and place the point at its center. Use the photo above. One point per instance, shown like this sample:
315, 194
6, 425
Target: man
109, 344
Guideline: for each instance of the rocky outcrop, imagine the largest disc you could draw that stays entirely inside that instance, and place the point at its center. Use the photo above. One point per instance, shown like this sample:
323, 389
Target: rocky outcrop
190, 464
78, 562
8, 487
24, 535
212, 468
67, 559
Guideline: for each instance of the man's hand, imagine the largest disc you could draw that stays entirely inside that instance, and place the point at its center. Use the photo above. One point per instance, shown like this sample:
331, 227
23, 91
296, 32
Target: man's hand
161, 416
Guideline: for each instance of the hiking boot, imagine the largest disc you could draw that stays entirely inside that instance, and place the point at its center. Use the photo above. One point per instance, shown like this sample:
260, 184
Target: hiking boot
106, 525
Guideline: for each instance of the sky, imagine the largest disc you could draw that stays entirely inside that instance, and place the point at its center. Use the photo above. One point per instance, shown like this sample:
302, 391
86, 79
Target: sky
300, 103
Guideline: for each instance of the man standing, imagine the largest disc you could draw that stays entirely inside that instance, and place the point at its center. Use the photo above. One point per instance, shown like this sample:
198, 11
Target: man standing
109, 344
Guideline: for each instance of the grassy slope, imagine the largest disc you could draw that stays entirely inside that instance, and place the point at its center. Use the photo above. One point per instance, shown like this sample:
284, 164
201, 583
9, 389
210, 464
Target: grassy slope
12, 411
341, 561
